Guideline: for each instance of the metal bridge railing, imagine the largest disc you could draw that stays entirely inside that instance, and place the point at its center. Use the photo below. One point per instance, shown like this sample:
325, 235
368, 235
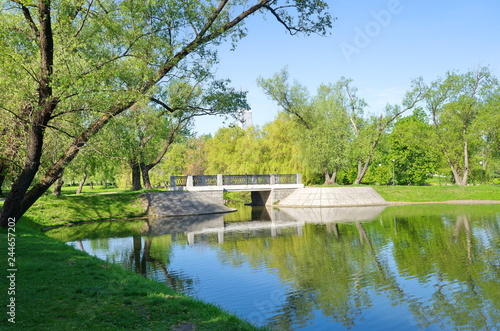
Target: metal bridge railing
228, 180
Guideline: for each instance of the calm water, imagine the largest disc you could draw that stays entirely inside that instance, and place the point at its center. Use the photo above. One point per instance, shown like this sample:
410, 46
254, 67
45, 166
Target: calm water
416, 267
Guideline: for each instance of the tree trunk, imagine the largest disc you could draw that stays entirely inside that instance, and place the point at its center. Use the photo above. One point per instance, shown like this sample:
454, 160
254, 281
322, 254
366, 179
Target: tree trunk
331, 180
18, 201
59, 184
136, 176
362, 168
466, 161
82, 182
328, 179
145, 176
145, 168
2, 179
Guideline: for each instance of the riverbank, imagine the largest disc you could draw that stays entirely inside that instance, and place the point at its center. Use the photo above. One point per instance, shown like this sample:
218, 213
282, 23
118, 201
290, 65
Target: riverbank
57, 287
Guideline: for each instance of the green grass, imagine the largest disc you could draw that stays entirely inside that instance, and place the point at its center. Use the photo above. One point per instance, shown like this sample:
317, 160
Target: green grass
58, 287
438, 193
50, 210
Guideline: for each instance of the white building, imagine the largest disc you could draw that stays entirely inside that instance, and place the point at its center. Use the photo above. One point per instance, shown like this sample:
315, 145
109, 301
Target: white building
244, 118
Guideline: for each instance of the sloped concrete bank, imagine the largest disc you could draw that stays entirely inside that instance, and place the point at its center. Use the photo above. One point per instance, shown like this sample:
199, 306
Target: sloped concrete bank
333, 197
185, 203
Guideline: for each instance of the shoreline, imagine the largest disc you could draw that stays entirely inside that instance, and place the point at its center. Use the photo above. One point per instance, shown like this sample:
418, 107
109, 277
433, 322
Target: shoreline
448, 202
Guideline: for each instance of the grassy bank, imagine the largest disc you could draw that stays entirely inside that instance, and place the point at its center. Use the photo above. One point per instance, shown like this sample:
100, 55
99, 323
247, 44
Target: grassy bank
57, 287
438, 193
50, 210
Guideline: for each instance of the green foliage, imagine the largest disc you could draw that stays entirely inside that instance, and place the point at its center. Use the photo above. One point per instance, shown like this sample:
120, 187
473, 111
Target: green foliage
325, 146
414, 156
72, 68
456, 104
232, 150
282, 146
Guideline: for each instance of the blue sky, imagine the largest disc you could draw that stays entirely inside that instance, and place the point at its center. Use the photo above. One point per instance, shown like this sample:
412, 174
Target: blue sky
381, 45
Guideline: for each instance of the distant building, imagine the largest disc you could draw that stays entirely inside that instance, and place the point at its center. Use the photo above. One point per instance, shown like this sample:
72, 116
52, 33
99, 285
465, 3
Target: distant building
244, 118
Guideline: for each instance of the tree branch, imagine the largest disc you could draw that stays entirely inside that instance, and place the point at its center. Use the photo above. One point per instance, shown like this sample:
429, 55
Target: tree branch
293, 31
163, 104
84, 19
29, 19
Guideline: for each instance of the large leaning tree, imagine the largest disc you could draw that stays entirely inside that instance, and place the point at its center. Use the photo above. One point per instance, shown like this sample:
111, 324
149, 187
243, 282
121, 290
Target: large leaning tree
84, 62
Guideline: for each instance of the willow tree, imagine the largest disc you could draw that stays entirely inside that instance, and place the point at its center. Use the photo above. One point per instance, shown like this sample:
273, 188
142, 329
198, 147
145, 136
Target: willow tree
93, 60
326, 145
325, 118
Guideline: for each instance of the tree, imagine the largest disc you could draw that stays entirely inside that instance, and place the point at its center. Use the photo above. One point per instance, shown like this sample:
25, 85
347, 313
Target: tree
223, 153
368, 132
325, 146
412, 152
195, 155
344, 103
293, 98
455, 104
322, 129
281, 146
99, 59
183, 102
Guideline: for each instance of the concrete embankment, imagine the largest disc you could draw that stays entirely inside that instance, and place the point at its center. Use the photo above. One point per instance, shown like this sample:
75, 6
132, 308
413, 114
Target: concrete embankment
184, 204
187, 203
333, 197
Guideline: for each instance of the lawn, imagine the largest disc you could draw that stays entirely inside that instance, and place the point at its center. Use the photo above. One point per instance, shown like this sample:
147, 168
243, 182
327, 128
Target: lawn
438, 193
50, 210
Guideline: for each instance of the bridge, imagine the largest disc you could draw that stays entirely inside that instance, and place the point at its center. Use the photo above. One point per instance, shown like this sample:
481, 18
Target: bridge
265, 189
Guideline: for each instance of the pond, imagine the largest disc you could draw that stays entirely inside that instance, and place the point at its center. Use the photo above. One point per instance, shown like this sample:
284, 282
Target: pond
412, 267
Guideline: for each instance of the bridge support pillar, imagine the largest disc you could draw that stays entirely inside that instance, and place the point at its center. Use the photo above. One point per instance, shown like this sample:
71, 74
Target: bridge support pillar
260, 198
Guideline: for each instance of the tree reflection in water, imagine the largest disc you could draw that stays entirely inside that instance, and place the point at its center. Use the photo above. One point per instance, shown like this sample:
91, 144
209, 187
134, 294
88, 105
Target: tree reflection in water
438, 265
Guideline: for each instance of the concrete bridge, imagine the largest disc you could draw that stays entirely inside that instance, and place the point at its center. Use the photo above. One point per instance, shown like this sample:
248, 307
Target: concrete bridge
265, 189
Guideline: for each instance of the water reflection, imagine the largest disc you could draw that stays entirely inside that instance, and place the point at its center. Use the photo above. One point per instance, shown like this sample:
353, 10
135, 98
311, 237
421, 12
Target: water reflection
408, 267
